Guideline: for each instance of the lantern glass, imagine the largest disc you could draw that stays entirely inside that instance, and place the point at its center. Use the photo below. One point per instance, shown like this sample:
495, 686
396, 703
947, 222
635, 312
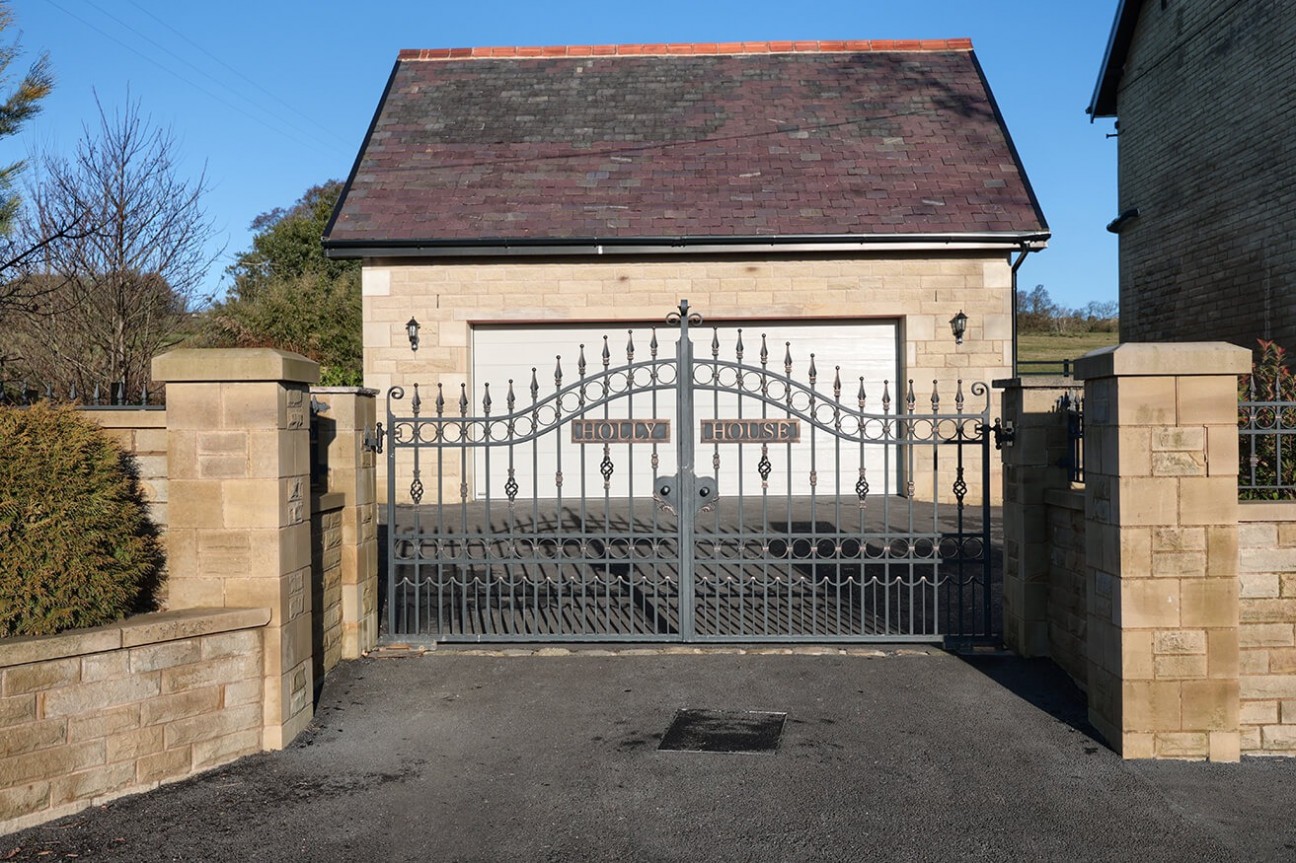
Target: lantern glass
958, 325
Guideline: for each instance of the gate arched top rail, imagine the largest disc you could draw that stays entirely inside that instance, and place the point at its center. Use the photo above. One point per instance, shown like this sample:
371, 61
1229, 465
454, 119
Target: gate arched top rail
521, 424
793, 398
905, 425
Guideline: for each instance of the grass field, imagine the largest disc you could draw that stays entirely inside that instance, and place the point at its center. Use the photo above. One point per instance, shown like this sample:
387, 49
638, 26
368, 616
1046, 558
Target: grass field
1050, 350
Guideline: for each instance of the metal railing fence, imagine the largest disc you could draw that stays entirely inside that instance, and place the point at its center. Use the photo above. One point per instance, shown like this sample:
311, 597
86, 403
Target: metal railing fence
116, 394
1267, 448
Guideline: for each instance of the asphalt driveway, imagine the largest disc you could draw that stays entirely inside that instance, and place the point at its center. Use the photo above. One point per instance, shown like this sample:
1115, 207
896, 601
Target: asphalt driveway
896, 757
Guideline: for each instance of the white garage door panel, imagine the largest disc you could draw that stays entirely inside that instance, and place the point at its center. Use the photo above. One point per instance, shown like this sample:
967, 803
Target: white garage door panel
860, 348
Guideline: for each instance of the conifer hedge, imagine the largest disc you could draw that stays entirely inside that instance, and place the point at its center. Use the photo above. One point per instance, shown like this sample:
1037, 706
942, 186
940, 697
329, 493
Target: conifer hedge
76, 546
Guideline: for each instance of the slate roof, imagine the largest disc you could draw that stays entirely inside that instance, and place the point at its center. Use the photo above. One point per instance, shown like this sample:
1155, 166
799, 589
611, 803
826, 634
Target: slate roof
623, 143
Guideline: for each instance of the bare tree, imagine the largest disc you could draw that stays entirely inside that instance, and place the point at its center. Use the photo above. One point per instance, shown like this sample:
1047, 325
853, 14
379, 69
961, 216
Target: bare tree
117, 290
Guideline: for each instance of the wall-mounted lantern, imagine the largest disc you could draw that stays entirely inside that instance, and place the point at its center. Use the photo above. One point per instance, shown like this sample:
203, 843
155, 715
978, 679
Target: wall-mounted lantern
958, 325
411, 330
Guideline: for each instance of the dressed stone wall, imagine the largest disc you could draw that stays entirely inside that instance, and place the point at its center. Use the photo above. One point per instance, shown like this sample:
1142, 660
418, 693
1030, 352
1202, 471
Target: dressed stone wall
1068, 593
1172, 604
90, 715
1267, 633
142, 433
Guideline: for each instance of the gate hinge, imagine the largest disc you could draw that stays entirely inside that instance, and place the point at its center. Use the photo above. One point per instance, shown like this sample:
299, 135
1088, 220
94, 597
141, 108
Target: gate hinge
373, 440
1005, 434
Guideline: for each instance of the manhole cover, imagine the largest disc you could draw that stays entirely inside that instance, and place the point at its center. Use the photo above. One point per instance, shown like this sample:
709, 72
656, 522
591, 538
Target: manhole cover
723, 731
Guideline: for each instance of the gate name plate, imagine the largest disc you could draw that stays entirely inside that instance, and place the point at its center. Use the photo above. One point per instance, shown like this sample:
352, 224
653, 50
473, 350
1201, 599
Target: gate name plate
751, 431
620, 431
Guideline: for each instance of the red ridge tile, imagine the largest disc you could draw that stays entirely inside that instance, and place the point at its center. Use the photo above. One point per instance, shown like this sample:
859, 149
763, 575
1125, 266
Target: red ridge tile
688, 48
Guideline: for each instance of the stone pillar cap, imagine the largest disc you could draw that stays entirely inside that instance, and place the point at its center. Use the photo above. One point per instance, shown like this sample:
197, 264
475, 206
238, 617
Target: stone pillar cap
218, 365
1164, 359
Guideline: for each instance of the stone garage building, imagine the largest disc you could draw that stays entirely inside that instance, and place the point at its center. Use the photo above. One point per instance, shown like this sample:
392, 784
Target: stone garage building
847, 197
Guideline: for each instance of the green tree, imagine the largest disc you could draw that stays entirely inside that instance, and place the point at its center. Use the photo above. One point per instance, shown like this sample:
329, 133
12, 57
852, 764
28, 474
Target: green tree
20, 99
287, 294
23, 101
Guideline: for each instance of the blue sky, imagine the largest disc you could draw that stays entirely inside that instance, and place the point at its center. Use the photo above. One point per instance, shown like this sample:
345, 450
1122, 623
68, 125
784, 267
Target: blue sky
273, 97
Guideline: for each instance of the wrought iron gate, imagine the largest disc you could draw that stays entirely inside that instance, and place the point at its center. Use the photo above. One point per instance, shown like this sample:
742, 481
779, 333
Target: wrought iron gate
672, 498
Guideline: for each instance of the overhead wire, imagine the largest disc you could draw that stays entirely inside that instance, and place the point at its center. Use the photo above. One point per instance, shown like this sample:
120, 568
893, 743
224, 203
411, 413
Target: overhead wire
283, 102
286, 131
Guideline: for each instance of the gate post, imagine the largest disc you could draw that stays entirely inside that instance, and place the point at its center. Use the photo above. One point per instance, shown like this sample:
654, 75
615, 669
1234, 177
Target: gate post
1032, 466
238, 465
1161, 514
686, 476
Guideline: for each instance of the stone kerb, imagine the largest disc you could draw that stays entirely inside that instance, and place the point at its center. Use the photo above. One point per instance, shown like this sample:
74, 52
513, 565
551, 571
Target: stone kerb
1161, 539
239, 532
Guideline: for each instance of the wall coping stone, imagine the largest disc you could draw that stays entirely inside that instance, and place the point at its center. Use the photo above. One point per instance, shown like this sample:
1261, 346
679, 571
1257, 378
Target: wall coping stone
132, 632
127, 418
1036, 382
1266, 510
1068, 498
213, 365
359, 391
327, 501
1161, 359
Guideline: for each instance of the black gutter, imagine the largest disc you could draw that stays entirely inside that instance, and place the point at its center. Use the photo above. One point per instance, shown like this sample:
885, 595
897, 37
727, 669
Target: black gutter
595, 246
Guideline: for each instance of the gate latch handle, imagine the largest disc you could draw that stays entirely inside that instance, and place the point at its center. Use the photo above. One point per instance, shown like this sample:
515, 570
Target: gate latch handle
666, 493
373, 440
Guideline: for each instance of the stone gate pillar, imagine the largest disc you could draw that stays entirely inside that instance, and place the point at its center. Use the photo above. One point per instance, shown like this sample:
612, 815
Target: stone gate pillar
238, 464
1161, 462
1033, 464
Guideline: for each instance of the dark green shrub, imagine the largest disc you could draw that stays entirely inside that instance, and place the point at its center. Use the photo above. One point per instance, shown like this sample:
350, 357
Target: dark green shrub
76, 547
1267, 420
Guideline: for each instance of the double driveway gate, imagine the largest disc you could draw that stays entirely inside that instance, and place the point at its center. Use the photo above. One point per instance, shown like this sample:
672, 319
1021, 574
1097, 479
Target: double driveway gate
676, 498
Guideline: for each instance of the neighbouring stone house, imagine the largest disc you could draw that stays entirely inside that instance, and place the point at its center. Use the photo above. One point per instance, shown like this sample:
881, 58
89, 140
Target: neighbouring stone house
1204, 94
848, 197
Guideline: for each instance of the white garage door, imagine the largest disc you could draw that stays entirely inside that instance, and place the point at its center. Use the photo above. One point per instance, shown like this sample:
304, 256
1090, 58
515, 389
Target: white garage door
865, 348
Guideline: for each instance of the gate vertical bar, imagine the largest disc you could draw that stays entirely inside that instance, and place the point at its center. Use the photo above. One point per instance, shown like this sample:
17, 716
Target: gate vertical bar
391, 519
685, 477
987, 628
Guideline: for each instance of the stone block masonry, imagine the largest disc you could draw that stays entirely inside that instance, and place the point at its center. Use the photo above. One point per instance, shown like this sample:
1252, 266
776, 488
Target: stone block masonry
90, 715
239, 534
344, 545
142, 433
262, 605
1161, 535
1172, 604
1267, 631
